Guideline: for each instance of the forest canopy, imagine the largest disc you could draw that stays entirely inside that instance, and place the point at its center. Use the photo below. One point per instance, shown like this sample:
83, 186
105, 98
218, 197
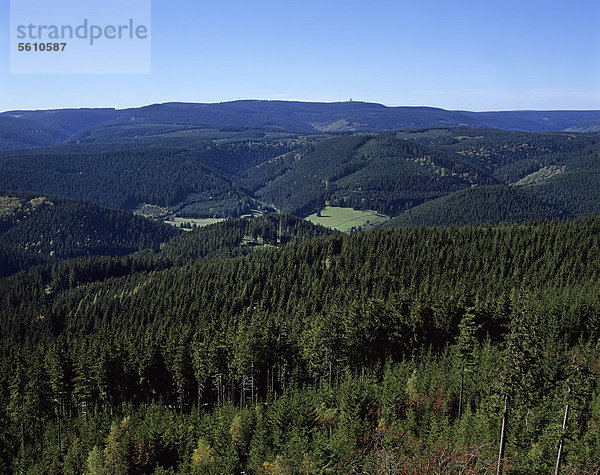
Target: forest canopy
334, 352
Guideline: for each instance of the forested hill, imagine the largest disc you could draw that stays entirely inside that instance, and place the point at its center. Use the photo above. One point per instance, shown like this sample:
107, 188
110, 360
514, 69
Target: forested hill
481, 205
237, 237
362, 171
342, 351
38, 229
304, 117
228, 172
20, 133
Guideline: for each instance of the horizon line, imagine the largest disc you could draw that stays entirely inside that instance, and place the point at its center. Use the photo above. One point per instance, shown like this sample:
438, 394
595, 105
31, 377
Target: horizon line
3, 111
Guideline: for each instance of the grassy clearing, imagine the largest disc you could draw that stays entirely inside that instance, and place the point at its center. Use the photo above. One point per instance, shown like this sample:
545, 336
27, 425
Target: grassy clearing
254, 213
344, 219
193, 222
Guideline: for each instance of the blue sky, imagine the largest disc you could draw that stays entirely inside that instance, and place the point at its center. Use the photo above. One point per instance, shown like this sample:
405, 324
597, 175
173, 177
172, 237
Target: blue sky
473, 55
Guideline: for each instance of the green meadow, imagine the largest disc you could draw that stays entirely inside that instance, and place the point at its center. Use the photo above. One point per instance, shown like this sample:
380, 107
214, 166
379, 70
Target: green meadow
344, 219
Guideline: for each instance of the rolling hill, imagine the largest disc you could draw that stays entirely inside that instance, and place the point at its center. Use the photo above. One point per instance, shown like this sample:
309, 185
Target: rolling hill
480, 205
18, 133
250, 157
305, 117
362, 171
40, 229
241, 236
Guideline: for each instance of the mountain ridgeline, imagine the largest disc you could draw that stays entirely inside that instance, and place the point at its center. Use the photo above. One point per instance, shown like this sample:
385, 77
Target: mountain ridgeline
305, 117
250, 157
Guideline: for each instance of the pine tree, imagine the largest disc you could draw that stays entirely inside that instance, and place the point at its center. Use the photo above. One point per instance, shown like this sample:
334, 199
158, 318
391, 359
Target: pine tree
83, 383
37, 394
116, 451
203, 365
16, 404
55, 358
520, 374
465, 348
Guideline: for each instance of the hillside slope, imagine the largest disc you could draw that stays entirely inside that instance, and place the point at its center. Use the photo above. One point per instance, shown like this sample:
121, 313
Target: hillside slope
480, 205
39, 229
226, 172
241, 236
362, 171
17, 133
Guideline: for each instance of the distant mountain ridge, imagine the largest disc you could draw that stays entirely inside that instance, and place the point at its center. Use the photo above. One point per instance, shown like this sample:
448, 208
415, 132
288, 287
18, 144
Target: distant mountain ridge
251, 157
299, 117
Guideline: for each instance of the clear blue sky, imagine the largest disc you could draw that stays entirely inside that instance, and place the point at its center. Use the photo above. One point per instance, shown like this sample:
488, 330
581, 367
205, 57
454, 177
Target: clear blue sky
471, 54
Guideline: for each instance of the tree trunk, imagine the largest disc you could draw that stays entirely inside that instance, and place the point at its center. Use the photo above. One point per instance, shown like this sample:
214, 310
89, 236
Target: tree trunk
180, 399
503, 437
200, 393
252, 384
562, 439
59, 429
460, 393
279, 383
282, 379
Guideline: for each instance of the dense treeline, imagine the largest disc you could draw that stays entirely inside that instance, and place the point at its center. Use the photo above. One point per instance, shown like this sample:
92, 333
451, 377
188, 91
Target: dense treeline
119, 178
237, 237
21, 133
361, 171
575, 192
395, 346
555, 174
38, 229
129, 174
298, 183
480, 205
508, 156
208, 171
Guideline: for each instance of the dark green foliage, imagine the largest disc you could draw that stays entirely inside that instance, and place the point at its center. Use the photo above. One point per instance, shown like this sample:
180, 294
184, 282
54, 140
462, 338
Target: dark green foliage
361, 171
575, 192
194, 177
480, 205
298, 358
121, 178
554, 174
508, 156
237, 237
22, 133
173, 156
40, 229
308, 357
